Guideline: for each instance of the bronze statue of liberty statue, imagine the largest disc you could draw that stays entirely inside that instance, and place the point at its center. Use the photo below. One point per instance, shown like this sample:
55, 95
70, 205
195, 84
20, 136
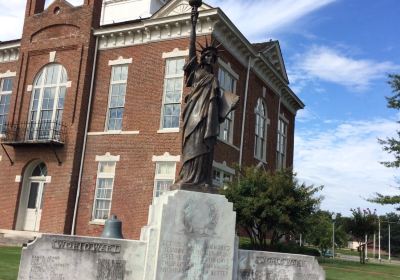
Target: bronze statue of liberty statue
205, 110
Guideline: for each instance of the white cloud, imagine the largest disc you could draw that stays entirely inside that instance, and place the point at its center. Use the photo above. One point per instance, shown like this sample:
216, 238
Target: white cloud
12, 15
345, 159
305, 115
260, 18
267, 16
327, 64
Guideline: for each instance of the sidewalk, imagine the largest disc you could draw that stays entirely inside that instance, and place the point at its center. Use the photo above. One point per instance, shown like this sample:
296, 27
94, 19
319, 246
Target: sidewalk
357, 259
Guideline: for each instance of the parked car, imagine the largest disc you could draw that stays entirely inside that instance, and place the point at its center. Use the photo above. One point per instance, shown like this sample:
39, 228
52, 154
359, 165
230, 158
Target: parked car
327, 254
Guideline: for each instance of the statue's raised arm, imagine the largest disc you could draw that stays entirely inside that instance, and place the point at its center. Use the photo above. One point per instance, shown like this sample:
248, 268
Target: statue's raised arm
192, 63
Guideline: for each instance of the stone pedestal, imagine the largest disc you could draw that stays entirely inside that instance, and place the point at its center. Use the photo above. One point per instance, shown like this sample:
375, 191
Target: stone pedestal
190, 235
61, 257
269, 265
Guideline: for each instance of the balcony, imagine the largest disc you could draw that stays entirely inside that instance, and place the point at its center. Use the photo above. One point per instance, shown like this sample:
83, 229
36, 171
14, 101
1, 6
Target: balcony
34, 133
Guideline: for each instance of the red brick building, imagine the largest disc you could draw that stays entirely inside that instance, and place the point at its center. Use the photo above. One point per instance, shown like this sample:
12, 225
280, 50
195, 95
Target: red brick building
90, 103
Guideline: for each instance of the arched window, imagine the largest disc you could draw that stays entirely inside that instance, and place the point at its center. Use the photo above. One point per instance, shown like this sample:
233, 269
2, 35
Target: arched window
47, 102
40, 170
261, 120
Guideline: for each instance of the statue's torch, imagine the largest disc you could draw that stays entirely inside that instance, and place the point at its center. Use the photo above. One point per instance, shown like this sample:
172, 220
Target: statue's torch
195, 6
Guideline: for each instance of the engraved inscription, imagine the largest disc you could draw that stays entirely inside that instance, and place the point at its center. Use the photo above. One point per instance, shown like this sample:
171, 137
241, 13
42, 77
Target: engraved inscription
277, 268
86, 246
47, 268
279, 261
194, 261
249, 274
111, 269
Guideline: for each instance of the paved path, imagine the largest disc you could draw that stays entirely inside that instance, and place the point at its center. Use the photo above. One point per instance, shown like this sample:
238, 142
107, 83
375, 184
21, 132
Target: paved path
357, 259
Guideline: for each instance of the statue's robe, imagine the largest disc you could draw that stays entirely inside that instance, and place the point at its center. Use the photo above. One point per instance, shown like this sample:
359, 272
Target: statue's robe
205, 110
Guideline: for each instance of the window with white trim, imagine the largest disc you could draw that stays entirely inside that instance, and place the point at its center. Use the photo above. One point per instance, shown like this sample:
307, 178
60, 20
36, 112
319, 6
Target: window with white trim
226, 83
282, 144
220, 177
173, 87
116, 103
5, 96
164, 177
260, 133
104, 189
47, 102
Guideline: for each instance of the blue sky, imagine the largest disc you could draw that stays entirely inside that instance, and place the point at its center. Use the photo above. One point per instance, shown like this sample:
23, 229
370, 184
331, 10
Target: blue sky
338, 54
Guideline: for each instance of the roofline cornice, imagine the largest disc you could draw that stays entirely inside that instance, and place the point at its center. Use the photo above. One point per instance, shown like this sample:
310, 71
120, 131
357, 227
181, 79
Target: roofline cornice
215, 18
285, 89
9, 51
12, 45
148, 22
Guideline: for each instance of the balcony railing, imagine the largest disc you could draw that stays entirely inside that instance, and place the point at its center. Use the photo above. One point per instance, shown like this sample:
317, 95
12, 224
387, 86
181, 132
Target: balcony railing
30, 133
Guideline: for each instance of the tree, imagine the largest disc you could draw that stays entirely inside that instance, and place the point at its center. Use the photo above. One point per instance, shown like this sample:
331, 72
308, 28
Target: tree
363, 222
391, 144
341, 236
394, 219
271, 203
320, 231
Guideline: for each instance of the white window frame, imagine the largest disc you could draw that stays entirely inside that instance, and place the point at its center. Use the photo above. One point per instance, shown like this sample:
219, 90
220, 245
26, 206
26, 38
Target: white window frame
167, 77
3, 94
41, 87
281, 149
226, 69
163, 177
166, 158
264, 118
107, 158
114, 64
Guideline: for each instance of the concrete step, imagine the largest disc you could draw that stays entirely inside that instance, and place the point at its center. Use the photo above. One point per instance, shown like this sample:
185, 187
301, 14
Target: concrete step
16, 238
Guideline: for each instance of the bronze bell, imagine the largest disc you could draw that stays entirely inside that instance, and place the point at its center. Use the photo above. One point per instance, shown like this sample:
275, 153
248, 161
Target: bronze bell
195, 3
113, 228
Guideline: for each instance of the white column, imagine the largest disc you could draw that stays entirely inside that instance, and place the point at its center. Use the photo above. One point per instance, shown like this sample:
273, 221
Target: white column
379, 240
374, 251
389, 242
333, 241
366, 247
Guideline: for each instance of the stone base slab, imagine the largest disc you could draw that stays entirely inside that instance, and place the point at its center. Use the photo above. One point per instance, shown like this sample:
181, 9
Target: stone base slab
189, 236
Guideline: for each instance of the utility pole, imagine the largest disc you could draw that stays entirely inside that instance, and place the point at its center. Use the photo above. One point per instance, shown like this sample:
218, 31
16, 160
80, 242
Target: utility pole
366, 247
379, 239
389, 241
333, 236
373, 253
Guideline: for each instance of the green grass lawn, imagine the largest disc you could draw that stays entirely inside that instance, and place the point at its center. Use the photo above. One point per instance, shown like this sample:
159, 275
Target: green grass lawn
9, 262
345, 270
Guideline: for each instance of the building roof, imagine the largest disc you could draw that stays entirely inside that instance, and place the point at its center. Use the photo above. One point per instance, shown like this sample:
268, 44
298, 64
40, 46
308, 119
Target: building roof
260, 47
171, 21
8, 42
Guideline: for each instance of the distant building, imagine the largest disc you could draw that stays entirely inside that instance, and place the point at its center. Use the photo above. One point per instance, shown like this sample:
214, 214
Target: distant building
90, 104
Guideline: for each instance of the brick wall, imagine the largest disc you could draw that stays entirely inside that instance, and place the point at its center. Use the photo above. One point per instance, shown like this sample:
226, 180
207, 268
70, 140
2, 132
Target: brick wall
134, 178
69, 34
